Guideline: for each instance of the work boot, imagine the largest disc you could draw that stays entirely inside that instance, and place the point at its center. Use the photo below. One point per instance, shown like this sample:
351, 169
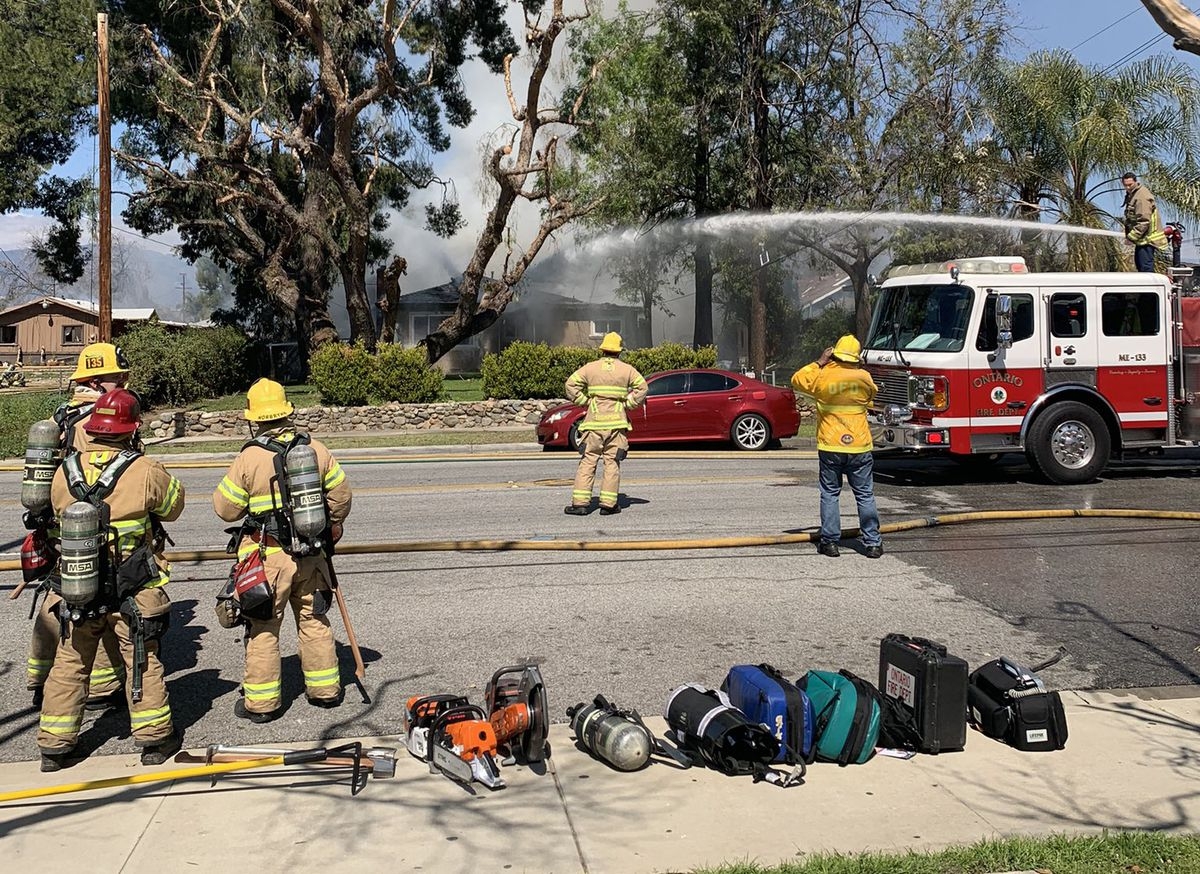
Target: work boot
828, 547
873, 551
240, 711
327, 703
576, 510
115, 699
37, 697
156, 754
52, 762
609, 511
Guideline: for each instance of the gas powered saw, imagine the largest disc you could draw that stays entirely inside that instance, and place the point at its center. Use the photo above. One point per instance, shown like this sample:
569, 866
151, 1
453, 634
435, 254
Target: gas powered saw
465, 742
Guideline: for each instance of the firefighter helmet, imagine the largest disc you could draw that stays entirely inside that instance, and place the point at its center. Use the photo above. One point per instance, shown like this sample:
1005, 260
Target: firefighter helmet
611, 343
100, 359
848, 349
116, 414
266, 401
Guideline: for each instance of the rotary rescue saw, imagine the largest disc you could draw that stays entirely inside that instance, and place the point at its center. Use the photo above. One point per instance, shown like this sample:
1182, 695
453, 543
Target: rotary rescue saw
466, 742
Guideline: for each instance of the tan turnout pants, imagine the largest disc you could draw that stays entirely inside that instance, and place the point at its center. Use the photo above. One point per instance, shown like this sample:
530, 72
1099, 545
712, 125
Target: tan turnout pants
108, 671
66, 687
294, 582
596, 446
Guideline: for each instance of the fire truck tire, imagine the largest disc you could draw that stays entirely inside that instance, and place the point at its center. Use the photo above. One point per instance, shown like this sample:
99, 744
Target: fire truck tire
1069, 443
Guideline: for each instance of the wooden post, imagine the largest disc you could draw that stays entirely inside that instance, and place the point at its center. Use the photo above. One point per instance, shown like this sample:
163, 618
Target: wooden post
105, 206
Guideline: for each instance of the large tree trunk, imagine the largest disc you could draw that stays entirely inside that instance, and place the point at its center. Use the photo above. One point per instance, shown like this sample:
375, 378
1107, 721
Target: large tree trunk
759, 159
702, 333
387, 297
353, 268
862, 296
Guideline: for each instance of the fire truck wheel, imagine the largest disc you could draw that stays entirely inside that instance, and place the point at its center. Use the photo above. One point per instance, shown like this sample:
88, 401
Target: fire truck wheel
1069, 443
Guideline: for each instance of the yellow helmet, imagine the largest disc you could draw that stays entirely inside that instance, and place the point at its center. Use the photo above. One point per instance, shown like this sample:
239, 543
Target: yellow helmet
611, 343
848, 349
100, 359
266, 401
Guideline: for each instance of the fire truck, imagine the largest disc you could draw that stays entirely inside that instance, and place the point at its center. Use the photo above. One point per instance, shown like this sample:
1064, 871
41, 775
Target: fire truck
979, 357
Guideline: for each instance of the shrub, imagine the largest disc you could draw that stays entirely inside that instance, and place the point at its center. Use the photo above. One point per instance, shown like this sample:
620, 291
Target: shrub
404, 375
178, 367
344, 375
18, 412
535, 370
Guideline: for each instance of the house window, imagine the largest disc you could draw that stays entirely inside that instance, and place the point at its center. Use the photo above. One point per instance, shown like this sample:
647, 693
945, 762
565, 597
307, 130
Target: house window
8, 334
72, 335
600, 327
424, 324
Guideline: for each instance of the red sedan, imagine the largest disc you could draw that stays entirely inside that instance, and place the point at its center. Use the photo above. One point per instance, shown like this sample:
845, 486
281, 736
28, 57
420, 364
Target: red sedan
692, 405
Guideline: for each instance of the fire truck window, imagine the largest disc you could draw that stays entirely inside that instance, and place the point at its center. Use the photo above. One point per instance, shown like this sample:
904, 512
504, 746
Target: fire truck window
1068, 315
1129, 314
1022, 321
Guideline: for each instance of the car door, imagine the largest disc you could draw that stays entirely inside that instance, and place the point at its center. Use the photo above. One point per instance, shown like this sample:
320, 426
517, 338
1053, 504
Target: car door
713, 400
1003, 383
664, 414
1132, 355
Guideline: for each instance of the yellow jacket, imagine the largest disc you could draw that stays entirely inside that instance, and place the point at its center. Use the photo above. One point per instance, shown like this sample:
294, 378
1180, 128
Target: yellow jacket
607, 387
1142, 225
842, 395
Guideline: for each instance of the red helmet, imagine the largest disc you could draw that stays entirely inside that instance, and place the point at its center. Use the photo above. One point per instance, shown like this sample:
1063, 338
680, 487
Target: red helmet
116, 414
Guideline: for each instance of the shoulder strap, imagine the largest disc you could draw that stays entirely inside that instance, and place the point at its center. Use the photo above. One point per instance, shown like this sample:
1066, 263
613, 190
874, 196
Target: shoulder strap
95, 493
67, 417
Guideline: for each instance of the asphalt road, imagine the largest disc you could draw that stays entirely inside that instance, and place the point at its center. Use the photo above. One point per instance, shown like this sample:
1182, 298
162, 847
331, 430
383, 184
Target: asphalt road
1119, 595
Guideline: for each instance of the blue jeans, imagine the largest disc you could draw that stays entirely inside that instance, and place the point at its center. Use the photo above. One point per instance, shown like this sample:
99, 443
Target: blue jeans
1143, 258
859, 469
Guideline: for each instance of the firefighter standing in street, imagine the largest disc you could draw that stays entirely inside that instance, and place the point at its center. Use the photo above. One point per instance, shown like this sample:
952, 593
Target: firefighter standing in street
843, 390
110, 582
1142, 225
296, 569
101, 368
608, 387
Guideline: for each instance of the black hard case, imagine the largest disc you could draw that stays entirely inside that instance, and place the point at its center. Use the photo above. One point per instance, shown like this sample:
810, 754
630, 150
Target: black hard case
1007, 708
937, 694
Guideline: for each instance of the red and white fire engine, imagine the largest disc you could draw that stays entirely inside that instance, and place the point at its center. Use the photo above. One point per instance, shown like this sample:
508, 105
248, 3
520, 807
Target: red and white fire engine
979, 356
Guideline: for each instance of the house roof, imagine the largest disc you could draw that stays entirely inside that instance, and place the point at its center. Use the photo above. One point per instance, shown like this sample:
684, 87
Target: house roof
130, 314
447, 294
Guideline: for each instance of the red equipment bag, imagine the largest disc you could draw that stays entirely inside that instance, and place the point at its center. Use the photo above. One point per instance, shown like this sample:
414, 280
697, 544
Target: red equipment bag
37, 556
251, 589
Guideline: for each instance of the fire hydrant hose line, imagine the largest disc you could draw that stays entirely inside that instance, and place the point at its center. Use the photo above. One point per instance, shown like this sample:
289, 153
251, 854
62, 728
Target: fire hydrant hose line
198, 555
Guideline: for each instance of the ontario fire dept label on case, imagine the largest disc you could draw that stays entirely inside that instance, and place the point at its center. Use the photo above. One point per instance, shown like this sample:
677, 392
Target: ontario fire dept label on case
901, 685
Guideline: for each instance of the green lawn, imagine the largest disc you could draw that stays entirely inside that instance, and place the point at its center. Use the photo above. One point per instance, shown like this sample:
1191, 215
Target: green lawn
1117, 853
454, 437
455, 389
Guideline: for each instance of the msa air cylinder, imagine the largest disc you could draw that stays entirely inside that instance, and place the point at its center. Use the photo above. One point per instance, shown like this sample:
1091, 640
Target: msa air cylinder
80, 549
611, 736
41, 461
307, 496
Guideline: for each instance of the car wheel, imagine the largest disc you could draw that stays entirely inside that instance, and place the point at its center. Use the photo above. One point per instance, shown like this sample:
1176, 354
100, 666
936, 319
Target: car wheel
750, 432
573, 437
1069, 443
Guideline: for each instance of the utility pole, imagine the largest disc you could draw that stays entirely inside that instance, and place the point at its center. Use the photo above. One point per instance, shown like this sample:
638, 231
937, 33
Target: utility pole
183, 294
105, 149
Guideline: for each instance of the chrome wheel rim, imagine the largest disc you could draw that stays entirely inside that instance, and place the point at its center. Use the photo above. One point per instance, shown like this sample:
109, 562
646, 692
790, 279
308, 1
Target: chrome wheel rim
1073, 444
751, 432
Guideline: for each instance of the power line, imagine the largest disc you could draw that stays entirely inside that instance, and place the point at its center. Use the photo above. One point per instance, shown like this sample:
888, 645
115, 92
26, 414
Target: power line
1106, 28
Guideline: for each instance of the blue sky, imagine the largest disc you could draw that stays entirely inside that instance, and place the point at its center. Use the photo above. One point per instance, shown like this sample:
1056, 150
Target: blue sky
1041, 24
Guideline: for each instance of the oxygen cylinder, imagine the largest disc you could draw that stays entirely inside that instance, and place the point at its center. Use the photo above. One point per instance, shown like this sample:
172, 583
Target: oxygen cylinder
41, 461
611, 737
307, 496
80, 544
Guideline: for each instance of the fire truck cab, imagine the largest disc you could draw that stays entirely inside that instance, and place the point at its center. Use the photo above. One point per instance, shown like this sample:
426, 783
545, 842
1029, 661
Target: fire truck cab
979, 357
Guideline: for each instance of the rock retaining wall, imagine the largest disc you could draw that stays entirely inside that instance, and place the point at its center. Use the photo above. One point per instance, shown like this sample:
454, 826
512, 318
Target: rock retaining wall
387, 417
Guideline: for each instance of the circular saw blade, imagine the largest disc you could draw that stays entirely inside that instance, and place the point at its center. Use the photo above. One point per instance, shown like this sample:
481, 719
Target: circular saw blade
533, 742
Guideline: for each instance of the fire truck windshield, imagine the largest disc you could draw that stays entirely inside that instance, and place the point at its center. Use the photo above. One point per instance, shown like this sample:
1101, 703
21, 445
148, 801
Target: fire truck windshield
929, 318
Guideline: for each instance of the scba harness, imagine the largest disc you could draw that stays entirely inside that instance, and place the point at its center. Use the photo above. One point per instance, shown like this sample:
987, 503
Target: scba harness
298, 520
93, 579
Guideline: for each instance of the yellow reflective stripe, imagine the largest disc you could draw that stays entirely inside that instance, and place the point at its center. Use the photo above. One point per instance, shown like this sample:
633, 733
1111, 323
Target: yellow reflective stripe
261, 691
328, 677
612, 495
263, 503
580, 493
147, 718
39, 667
100, 675
605, 391
839, 408
168, 502
131, 526
250, 546
334, 477
581, 399
64, 725
233, 493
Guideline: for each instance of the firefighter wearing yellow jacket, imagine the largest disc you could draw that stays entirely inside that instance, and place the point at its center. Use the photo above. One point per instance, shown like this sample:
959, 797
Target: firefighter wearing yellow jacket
842, 391
1143, 228
101, 368
608, 387
298, 573
110, 584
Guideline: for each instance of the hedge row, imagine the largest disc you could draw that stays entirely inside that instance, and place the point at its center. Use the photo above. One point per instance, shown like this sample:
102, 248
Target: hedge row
534, 370
179, 367
18, 412
350, 376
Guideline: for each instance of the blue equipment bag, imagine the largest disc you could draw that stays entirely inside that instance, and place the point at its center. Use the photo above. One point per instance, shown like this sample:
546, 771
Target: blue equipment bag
764, 695
848, 716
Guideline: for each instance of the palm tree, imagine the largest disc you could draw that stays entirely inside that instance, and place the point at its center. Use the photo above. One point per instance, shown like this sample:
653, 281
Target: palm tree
1062, 133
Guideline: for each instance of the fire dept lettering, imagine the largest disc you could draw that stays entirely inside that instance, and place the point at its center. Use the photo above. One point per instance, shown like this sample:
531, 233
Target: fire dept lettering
997, 376
902, 685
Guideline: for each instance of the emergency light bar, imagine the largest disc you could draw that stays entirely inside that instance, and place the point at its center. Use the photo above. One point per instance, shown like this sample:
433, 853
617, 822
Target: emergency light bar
994, 264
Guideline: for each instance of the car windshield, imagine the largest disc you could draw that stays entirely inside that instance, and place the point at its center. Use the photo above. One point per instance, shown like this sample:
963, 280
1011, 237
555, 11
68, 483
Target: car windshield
930, 318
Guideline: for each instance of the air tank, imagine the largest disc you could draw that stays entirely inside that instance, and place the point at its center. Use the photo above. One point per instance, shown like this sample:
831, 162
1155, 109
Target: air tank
80, 544
307, 496
41, 461
611, 736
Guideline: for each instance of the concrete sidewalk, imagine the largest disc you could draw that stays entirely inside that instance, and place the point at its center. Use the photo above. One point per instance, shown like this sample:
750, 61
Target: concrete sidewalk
1132, 762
